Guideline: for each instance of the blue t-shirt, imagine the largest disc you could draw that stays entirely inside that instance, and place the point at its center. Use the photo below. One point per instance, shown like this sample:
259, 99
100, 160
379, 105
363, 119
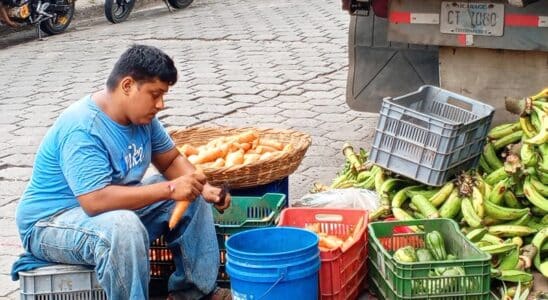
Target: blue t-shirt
84, 151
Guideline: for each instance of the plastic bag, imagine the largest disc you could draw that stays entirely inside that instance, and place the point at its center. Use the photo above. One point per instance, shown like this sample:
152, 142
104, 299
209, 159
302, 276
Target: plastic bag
341, 198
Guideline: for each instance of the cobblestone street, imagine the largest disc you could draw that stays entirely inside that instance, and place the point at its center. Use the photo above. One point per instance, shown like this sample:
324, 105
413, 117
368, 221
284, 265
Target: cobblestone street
269, 63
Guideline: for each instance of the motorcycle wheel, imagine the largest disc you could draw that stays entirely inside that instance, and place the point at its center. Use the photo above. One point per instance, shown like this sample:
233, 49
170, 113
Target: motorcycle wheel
59, 22
179, 4
118, 11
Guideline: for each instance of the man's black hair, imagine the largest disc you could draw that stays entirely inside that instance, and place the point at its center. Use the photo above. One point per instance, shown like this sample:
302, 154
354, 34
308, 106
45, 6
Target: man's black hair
143, 63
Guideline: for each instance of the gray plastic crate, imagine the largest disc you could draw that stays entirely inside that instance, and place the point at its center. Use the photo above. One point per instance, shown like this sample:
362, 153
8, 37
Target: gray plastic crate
60, 282
431, 134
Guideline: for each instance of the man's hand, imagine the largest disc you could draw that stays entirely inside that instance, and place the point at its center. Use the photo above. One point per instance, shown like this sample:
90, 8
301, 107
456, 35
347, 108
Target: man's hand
187, 187
213, 194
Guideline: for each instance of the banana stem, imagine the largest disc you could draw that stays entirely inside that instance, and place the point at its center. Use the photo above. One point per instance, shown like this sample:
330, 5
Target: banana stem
515, 106
351, 157
528, 255
380, 212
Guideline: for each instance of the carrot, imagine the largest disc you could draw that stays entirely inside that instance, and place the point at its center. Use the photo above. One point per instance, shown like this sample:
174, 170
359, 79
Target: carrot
219, 163
271, 143
288, 148
224, 149
247, 136
261, 149
255, 143
177, 213
193, 159
251, 158
357, 229
314, 227
180, 207
188, 150
234, 158
347, 244
323, 249
269, 155
245, 146
209, 155
331, 242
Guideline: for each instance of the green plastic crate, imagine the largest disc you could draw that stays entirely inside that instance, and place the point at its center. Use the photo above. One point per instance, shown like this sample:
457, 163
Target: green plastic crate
245, 213
391, 279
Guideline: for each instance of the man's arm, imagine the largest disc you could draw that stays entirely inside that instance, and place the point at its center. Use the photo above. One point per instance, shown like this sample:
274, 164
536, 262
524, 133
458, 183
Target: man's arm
183, 184
114, 197
172, 165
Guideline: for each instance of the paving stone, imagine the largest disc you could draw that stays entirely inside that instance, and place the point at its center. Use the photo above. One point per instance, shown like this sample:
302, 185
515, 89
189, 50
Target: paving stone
274, 63
248, 98
262, 110
295, 105
7, 286
269, 94
215, 94
330, 109
179, 121
16, 173
18, 159
293, 91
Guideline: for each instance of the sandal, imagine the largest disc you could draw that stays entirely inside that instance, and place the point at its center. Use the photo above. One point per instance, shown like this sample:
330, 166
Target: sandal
217, 294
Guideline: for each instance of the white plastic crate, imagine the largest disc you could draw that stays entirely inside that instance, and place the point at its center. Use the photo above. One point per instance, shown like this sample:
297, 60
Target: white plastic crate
60, 282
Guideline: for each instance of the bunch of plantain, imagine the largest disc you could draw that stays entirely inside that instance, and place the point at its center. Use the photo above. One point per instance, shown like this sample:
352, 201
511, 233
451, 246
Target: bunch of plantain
355, 172
358, 172
501, 207
514, 163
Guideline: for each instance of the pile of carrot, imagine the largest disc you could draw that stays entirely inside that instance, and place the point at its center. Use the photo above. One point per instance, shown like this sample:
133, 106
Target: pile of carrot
244, 148
329, 242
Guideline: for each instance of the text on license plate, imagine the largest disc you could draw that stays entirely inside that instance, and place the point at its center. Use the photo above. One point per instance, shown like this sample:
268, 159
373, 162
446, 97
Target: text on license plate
472, 18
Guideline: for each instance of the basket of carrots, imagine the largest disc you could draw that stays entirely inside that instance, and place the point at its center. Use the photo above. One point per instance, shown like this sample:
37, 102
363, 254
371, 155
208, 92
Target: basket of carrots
242, 157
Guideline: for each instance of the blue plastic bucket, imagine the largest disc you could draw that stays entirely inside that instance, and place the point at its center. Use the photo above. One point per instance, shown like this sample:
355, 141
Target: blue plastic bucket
273, 263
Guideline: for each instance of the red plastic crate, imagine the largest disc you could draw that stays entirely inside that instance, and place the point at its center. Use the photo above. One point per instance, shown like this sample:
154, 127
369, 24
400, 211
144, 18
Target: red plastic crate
341, 273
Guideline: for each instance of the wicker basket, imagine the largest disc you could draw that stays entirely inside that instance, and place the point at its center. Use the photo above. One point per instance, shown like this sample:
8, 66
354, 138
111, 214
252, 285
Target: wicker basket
253, 174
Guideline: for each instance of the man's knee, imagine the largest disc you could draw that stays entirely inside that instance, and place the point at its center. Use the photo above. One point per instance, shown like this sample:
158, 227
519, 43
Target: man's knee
126, 227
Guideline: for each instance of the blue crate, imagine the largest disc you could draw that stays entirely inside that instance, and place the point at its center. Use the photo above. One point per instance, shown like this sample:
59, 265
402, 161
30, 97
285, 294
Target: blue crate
280, 186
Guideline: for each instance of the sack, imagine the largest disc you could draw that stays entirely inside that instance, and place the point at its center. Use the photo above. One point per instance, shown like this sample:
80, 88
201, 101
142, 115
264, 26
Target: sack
341, 198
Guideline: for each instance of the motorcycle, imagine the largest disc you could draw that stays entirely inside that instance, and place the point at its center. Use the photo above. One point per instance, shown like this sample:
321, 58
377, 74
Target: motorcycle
49, 16
117, 11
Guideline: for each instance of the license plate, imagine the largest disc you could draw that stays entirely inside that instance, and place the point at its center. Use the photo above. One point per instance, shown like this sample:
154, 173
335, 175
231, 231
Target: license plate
473, 18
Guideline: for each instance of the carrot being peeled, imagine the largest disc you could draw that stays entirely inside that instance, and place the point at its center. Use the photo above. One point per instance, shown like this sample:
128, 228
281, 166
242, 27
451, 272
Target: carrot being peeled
178, 212
180, 207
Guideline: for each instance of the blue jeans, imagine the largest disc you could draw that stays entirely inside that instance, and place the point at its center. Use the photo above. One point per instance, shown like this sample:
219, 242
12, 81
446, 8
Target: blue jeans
117, 242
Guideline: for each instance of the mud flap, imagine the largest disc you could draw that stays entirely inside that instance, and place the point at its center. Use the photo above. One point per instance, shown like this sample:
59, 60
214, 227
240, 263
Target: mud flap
379, 68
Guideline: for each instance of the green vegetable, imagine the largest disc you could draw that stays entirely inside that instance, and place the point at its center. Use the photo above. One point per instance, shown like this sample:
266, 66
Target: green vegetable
436, 245
406, 254
424, 255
